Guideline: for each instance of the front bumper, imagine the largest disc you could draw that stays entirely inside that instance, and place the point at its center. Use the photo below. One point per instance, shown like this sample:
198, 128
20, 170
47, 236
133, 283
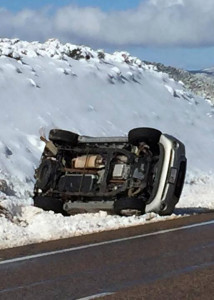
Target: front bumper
171, 177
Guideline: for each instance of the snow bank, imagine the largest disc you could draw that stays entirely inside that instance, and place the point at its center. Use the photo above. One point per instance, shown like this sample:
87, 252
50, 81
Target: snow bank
72, 87
21, 225
32, 225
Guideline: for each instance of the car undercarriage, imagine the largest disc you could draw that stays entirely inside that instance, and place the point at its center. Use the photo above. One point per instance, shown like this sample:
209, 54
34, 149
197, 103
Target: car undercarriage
80, 169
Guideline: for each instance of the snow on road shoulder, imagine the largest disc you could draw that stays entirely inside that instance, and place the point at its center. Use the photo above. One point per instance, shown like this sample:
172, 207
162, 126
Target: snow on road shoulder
21, 225
33, 225
198, 193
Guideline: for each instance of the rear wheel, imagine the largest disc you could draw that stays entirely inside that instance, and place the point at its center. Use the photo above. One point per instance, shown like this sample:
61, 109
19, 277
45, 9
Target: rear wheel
59, 136
129, 206
45, 174
49, 203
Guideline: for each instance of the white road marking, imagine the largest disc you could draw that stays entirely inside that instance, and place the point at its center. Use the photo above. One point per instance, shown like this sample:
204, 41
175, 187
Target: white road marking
95, 296
27, 257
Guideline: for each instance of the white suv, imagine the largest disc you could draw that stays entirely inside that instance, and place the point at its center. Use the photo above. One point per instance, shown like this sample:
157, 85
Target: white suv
143, 172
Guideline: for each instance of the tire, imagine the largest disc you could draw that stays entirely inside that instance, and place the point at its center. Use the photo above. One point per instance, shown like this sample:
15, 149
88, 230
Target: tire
132, 204
48, 203
167, 212
150, 136
62, 137
45, 174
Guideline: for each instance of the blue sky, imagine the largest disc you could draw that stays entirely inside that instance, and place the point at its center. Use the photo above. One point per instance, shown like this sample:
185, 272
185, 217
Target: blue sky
106, 5
173, 32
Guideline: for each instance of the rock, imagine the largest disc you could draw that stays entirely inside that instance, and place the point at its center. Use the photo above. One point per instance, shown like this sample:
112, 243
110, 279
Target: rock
5, 213
4, 188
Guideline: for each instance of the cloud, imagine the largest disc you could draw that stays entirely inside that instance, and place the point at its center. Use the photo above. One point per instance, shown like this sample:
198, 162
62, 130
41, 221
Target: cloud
186, 23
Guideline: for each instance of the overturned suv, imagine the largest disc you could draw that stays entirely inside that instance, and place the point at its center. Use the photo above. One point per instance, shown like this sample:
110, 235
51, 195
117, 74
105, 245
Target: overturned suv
141, 173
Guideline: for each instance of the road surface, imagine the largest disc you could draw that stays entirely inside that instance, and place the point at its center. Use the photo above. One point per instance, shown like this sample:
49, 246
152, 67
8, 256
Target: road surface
165, 260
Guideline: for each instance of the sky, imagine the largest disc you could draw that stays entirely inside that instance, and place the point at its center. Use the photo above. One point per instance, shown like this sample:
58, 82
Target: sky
173, 32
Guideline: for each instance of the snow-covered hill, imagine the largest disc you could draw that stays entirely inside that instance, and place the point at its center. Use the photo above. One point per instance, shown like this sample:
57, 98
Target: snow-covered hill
208, 71
52, 85
200, 82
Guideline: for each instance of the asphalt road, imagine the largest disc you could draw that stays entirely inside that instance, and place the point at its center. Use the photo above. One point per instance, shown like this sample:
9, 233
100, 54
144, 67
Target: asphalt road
165, 260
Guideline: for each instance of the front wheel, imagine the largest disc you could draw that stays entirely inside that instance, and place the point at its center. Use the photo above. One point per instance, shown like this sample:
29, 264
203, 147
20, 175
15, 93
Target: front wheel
148, 135
129, 206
